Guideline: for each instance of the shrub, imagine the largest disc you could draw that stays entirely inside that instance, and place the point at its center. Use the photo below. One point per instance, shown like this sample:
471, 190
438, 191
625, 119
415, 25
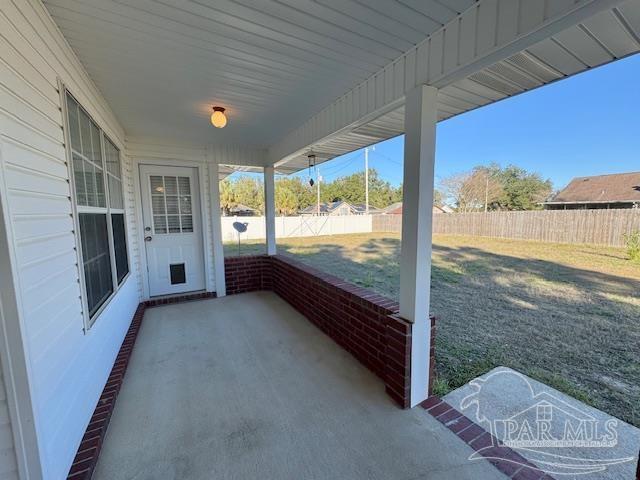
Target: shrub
632, 241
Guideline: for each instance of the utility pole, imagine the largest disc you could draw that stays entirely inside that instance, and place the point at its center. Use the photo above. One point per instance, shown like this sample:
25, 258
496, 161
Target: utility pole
319, 178
486, 194
366, 180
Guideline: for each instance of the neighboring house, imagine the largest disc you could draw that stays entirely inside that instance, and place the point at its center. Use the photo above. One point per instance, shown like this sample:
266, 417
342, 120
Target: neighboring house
241, 210
361, 209
620, 190
442, 209
393, 209
396, 209
332, 208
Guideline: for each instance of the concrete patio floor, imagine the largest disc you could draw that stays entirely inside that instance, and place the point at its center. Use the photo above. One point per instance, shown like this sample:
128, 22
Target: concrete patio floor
244, 387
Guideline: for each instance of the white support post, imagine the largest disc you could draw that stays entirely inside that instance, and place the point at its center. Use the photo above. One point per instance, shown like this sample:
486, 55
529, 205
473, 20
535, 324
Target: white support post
270, 209
417, 211
218, 249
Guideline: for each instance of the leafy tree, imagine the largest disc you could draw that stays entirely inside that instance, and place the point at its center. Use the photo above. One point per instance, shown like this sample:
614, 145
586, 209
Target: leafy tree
522, 190
227, 196
473, 191
292, 195
249, 191
495, 188
351, 189
438, 198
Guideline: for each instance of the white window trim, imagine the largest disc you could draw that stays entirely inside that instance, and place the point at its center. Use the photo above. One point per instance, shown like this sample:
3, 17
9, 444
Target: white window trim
90, 320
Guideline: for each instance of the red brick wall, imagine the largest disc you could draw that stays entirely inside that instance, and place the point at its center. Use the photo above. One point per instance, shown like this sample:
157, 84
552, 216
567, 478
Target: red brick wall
247, 274
362, 322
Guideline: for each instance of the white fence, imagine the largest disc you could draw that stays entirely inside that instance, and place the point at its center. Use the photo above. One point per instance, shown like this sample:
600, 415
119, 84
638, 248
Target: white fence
300, 226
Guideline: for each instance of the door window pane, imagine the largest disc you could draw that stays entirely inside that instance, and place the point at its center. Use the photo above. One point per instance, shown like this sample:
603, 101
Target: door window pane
173, 223
157, 185
170, 186
159, 224
185, 204
171, 204
184, 185
157, 205
187, 223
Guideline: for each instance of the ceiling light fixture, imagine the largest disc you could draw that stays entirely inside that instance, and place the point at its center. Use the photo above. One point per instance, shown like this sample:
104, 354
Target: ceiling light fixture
218, 118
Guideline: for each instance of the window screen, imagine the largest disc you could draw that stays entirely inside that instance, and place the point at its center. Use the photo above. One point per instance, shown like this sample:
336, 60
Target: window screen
114, 180
99, 200
96, 259
120, 245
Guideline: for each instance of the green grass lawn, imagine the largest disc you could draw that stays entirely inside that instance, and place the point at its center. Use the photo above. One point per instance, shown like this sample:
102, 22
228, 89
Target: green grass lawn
568, 315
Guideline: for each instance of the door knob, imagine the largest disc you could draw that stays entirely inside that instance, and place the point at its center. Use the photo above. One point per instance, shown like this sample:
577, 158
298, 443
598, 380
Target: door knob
147, 239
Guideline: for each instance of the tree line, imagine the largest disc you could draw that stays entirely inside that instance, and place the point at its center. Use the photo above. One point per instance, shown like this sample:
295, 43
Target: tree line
294, 193
483, 188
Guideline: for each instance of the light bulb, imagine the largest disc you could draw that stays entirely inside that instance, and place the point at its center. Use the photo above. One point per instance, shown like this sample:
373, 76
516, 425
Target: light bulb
218, 118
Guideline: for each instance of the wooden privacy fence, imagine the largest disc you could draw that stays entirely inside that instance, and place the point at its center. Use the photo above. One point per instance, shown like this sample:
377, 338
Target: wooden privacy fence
599, 227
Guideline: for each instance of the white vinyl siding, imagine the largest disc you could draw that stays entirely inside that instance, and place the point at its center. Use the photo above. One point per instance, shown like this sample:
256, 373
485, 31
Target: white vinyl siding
8, 466
68, 367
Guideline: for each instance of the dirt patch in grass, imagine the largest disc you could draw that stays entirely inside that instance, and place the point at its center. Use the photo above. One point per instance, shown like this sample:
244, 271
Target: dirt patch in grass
568, 315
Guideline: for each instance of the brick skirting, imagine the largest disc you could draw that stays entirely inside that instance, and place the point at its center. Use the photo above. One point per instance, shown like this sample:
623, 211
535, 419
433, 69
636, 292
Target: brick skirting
156, 302
505, 459
91, 443
360, 321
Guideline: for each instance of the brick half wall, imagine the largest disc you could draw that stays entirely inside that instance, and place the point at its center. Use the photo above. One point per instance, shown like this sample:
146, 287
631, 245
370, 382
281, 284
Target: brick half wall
247, 274
362, 322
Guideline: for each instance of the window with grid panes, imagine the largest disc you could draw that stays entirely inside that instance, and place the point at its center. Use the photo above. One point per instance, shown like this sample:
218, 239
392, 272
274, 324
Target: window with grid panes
99, 200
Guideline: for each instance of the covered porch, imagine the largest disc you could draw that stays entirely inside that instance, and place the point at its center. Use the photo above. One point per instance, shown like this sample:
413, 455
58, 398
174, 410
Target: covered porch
110, 205
246, 387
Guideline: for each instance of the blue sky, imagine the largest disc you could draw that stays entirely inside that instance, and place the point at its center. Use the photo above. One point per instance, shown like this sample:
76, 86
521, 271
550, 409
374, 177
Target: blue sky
588, 124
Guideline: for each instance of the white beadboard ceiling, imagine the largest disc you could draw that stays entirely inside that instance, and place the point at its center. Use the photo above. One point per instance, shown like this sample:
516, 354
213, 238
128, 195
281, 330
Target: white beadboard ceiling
162, 64
608, 36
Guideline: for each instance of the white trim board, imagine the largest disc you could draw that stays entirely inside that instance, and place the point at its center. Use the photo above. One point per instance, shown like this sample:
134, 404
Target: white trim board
13, 351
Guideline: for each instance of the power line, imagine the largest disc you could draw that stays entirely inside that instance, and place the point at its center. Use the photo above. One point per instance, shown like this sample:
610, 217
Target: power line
396, 162
342, 167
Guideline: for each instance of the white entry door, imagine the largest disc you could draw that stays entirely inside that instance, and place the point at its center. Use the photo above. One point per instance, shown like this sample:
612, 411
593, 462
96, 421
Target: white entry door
172, 229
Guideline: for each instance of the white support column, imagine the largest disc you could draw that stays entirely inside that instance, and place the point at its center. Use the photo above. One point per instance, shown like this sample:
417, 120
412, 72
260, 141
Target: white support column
270, 209
218, 249
417, 210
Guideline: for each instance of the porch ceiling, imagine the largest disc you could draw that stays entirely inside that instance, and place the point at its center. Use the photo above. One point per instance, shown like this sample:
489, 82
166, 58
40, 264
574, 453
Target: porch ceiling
606, 37
162, 64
